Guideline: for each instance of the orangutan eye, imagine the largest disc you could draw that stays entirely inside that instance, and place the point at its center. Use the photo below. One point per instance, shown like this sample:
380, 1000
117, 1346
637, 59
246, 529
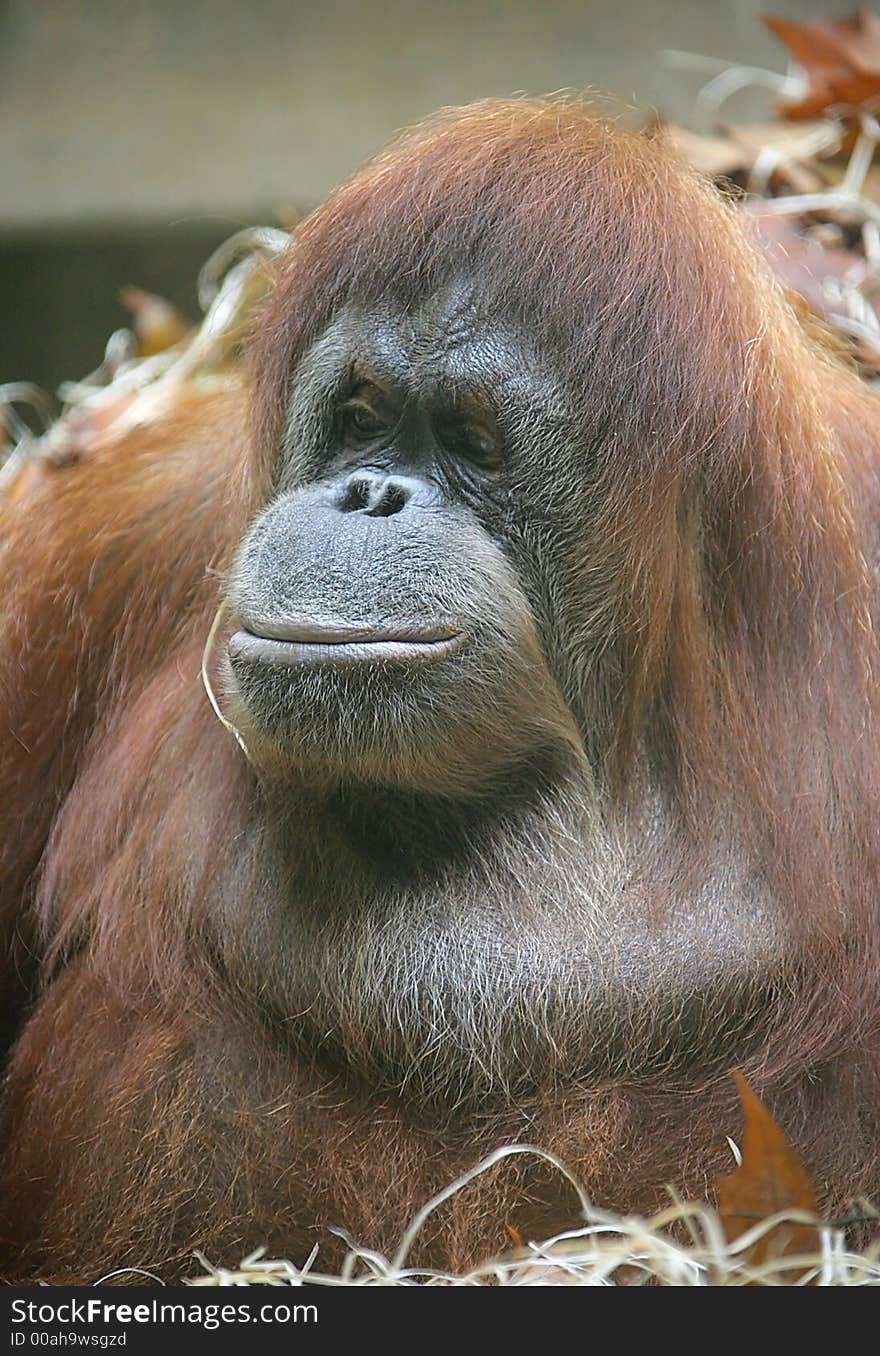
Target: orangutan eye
362, 421
474, 442
481, 446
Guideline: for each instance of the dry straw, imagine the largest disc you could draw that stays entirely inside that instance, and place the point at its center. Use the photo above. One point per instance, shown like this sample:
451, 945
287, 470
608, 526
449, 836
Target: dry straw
684, 1245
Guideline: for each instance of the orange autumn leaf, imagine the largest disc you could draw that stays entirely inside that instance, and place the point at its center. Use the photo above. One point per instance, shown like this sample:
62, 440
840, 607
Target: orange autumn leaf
770, 1179
840, 59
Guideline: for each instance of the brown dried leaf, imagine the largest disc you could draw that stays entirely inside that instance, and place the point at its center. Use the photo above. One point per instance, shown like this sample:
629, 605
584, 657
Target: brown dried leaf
840, 57
798, 259
811, 260
792, 152
156, 323
716, 157
770, 1179
788, 153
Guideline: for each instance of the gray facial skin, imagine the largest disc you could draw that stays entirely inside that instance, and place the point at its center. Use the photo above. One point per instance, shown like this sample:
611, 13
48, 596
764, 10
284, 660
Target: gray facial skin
459, 911
418, 640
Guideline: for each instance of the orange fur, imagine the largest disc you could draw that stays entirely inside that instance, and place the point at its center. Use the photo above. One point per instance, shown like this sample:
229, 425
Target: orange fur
151, 1107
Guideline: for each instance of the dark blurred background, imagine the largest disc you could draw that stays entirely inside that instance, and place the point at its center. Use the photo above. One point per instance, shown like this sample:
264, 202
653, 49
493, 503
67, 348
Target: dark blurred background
135, 135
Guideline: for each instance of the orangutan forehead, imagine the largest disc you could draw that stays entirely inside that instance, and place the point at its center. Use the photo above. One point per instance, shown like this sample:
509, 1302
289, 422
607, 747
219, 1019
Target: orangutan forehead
446, 342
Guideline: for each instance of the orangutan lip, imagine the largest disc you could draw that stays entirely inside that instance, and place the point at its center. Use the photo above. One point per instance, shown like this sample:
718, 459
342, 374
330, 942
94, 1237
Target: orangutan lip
293, 645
